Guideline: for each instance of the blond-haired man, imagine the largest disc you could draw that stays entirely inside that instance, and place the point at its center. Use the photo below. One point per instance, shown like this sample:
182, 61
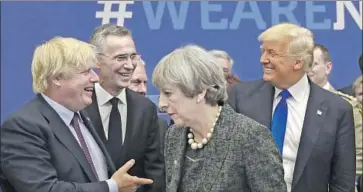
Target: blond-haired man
50, 145
312, 127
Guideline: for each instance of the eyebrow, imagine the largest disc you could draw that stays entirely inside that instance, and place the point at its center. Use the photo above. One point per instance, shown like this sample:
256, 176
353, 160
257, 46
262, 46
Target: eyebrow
124, 54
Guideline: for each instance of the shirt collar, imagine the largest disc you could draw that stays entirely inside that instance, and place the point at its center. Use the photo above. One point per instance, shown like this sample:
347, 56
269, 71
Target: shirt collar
65, 114
298, 90
328, 86
103, 96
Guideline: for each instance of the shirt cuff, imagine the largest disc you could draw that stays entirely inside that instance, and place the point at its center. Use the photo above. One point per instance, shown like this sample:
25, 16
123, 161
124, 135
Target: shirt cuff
112, 185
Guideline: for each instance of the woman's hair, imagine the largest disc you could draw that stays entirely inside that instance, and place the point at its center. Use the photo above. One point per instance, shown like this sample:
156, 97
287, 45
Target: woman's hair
193, 70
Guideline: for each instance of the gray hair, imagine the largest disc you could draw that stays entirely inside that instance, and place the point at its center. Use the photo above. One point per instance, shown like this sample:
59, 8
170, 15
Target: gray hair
301, 41
100, 34
221, 54
193, 70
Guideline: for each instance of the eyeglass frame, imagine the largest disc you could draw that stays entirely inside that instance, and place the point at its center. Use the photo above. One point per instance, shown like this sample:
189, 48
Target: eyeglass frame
129, 56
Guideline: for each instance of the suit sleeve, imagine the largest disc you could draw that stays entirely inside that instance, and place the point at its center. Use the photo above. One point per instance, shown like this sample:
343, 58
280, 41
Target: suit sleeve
262, 161
233, 98
343, 163
154, 162
357, 111
163, 126
26, 162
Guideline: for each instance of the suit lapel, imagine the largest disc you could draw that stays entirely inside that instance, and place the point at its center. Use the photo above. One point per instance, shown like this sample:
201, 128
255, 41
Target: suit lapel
133, 116
313, 122
261, 104
87, 121
213, 163
94, 113
65, 136
175, 161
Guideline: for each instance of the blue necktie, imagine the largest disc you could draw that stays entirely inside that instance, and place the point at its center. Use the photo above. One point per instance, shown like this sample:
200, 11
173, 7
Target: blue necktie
279, 119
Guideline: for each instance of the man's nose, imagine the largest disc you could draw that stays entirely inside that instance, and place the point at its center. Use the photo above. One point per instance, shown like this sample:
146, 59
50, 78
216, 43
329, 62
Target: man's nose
130, 64
264, 59
142, 88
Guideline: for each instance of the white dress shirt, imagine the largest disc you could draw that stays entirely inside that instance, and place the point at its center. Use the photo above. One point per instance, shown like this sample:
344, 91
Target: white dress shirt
104, 106
296, 105
328, 86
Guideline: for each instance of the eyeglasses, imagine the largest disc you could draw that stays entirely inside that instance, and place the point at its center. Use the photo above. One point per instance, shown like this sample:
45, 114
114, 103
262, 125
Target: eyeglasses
123, 58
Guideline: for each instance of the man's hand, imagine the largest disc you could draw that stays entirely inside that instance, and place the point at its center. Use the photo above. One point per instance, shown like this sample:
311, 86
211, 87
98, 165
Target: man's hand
126, 182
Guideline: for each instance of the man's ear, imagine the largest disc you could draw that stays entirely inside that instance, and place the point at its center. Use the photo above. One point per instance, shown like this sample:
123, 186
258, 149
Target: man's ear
56, 81
299, 64
328, 68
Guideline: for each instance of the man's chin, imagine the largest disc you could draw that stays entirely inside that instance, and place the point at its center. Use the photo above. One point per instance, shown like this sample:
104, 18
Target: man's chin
123, 85
267, 77
87, 100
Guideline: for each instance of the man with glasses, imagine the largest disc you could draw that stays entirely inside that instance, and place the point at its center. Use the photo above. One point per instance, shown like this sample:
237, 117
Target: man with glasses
125, 121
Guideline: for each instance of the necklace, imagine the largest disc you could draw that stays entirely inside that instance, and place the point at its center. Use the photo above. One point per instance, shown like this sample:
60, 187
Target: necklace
194, 144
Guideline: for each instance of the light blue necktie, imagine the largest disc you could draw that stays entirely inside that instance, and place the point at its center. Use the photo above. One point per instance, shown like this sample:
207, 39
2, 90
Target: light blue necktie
279, 119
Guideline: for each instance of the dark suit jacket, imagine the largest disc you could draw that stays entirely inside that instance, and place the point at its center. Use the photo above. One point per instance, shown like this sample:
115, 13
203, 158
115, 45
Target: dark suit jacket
163, 126
326, 154
347, 90
238, 158
142, 139
40, 154
231, 81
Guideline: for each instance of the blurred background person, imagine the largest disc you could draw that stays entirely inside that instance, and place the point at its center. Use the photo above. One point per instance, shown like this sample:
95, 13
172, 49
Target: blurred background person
126, 121
50, 145
211, 147
349, 89
319, 74
313, 128
321, 67
226, 62
357, 87
139, 84
139, 79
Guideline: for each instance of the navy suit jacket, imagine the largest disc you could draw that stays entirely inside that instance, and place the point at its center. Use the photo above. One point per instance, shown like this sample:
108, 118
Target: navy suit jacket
326, 153
347, 90
40, 154
163, 126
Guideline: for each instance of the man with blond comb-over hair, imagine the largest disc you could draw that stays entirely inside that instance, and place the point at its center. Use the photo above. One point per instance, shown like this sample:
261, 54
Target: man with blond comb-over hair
50, 145
312, 127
